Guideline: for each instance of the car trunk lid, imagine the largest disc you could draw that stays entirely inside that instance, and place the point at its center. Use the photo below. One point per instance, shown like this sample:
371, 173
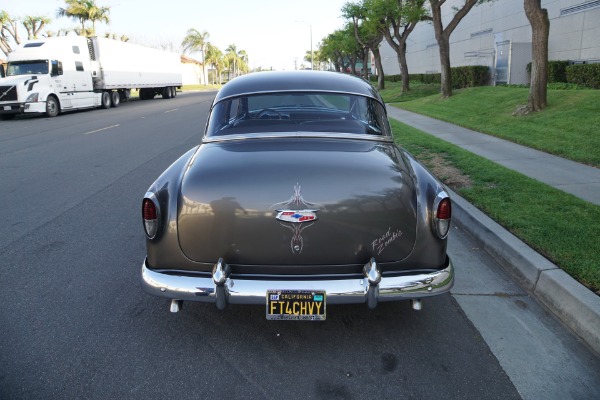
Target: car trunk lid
297, 202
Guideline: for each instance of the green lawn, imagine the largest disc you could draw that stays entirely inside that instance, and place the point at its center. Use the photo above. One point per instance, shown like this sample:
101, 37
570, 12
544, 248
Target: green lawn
558, 225
568, 127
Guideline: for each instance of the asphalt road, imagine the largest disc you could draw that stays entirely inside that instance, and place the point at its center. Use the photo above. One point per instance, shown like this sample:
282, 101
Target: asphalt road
74, 322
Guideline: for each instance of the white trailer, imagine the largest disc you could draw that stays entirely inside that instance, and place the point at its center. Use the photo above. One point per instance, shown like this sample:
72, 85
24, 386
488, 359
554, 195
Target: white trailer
66, 73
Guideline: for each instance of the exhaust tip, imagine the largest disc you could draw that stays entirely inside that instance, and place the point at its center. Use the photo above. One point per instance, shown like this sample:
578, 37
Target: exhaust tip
417, 305
176, 305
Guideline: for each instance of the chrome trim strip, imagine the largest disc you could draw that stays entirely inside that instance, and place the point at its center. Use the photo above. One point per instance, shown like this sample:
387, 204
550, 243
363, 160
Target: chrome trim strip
304, 90
339, 291
297, 135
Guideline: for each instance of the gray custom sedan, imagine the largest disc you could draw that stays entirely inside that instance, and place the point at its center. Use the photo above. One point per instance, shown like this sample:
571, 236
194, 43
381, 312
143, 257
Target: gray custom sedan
296, 199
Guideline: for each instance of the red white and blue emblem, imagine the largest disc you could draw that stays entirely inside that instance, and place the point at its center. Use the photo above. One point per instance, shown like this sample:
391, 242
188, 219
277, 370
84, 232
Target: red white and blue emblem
296, 216
293, 213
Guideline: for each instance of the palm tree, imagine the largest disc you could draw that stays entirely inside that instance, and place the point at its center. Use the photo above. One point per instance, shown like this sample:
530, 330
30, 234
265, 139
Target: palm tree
196, 41
75, 9
100, 14
214, 56
237, 59
83, 11
243, 61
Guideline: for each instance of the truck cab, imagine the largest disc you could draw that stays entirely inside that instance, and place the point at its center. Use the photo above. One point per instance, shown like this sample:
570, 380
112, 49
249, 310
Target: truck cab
48, 76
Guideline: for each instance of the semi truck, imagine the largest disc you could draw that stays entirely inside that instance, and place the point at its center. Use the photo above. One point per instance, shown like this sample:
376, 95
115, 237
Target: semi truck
52, 75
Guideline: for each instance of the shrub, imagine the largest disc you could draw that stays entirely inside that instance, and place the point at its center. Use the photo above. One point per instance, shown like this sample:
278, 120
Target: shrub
557, 71
584, 74
462, 77
469, 76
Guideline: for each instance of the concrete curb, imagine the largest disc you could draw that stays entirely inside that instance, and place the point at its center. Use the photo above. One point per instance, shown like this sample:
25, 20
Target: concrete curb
574, 304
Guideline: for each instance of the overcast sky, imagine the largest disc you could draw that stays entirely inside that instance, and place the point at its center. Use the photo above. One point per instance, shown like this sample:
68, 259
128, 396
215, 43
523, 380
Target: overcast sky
274, 33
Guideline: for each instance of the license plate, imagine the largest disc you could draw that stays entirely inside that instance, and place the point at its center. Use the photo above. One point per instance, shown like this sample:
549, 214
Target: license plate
7, 108
299, 305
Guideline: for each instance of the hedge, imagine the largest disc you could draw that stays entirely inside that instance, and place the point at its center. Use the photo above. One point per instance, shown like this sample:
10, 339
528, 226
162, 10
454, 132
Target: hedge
462, 77
584, 74
557, 71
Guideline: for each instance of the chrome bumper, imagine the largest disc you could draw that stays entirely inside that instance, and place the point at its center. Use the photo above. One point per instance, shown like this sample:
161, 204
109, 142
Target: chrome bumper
222, 289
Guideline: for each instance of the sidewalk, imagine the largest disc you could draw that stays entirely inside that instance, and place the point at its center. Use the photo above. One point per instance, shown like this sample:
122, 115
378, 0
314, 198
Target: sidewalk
574, 304
571, 177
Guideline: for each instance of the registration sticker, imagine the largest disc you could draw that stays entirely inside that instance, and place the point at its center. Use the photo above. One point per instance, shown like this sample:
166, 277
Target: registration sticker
298, 305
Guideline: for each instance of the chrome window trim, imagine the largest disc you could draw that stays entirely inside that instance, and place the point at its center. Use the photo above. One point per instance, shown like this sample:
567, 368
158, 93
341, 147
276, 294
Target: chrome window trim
297, 135
284, 91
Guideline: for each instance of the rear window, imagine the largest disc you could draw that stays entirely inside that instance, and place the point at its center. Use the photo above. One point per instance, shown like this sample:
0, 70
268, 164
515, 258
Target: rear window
298, 112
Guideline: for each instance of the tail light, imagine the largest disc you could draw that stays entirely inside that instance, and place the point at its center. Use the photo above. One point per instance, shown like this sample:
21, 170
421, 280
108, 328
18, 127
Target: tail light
150, 215
443, 214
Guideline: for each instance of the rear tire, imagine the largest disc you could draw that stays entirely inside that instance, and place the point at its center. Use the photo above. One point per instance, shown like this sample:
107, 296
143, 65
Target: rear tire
174, 92
115, 99
52, 107
105, 100
166, 92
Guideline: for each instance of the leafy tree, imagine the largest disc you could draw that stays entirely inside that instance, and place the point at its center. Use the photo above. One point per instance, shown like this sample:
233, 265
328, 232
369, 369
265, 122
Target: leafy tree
341, 49
367, 32
8, 29
34, 25
442, 36
60, 32
114, 36
540, 29
397, 20
195, 41
327, 49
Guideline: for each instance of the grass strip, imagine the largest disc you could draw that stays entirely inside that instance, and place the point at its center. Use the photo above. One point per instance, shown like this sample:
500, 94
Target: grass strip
558, 225
568, 127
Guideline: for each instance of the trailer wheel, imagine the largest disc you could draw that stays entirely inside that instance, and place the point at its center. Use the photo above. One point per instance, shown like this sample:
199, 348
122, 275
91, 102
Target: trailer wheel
115, 99
52, 107
166, 92
173, 92
125, 94
105, 100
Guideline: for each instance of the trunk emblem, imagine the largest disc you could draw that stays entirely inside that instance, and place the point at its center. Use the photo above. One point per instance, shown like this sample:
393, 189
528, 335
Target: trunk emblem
295, 211
296, 216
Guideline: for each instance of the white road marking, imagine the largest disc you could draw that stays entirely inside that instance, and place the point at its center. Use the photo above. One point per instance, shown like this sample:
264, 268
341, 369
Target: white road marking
102, 129
175, 109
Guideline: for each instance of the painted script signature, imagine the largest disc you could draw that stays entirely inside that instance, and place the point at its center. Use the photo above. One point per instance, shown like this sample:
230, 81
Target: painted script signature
386, 239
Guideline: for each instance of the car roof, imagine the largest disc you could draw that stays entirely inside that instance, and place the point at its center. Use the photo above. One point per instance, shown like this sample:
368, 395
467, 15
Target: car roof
297, 81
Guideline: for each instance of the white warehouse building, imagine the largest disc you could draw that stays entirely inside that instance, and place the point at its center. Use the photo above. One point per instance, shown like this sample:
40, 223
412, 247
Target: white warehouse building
498, 34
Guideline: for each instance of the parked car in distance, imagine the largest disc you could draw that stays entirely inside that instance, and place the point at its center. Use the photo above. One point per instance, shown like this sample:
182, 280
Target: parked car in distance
296, 199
